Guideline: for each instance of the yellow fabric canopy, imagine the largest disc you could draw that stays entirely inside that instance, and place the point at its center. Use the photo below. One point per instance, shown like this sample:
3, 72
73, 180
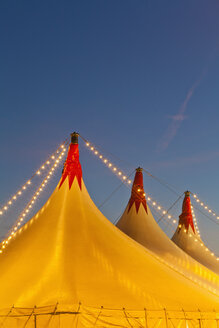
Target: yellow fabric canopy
69, 253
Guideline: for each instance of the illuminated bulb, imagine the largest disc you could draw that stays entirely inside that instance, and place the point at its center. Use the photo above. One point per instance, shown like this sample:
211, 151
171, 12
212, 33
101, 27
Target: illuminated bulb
218, 217
0, 251
206, 207
3, 246
149, 198
105, 160
45, 181
210, 211
43, 167
101, 156
164, 212
169, 216
110, 164
53, 157
129, 181
29, 182
87, 144
27, 211
92, 148
190, 235
19, 192
174, 221
96, 152
158, 207
1, 212
15, 228
21, 219
9, 238
212, 254
144, 194
5, 208
48, 162
10, 202
120, 173
24, 187
196, 239
153, 203
195, 196
139, 190
3, 242
114, 169
63, 145
55, 165
38, 172
18, 224
34, 197
124, 177
206, 249
53, 169
40, 189
6, 242
198, 200
202, 204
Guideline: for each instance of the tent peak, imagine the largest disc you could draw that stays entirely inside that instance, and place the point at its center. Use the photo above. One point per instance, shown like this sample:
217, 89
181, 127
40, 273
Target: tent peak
72, 166
138, 194
74, 137
186, 218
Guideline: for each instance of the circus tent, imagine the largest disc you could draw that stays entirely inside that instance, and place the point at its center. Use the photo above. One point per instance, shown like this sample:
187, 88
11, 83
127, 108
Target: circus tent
69, 266
188, 239
138, 222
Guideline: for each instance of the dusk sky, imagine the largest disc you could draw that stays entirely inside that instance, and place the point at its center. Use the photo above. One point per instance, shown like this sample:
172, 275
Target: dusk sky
138, 78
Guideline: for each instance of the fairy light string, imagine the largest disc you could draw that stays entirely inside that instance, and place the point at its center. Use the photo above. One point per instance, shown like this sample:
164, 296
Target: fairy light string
17, 225
4, 208
165, 214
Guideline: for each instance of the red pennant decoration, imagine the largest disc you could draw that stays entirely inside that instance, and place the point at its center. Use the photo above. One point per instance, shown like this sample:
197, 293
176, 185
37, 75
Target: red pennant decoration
138, 194
72, 166
186, 218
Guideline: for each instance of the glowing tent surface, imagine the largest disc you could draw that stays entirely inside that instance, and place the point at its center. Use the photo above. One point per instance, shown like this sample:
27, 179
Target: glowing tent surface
70, 267
187, 238
137, 222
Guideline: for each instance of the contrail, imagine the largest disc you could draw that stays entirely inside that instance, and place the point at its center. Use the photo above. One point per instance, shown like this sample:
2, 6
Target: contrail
180, 116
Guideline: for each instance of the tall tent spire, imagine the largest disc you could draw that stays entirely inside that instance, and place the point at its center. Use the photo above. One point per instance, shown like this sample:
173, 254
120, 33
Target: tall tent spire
72, 166
186, 219
138, 194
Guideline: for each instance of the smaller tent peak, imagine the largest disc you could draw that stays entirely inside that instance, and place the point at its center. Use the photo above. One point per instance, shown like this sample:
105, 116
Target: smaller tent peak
186, 218
138, 194
72, 165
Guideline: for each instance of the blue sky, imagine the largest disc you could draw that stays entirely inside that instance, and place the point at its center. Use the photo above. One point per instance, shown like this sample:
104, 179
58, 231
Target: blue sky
138, 78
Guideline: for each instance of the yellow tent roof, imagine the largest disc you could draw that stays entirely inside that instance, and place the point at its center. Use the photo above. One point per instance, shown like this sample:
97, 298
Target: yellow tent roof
187, 238
138, 222
70, 253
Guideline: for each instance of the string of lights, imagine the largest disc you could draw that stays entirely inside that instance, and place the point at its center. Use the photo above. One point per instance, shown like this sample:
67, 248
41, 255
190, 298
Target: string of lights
35, 197
46, 164
160, 209
204, 206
